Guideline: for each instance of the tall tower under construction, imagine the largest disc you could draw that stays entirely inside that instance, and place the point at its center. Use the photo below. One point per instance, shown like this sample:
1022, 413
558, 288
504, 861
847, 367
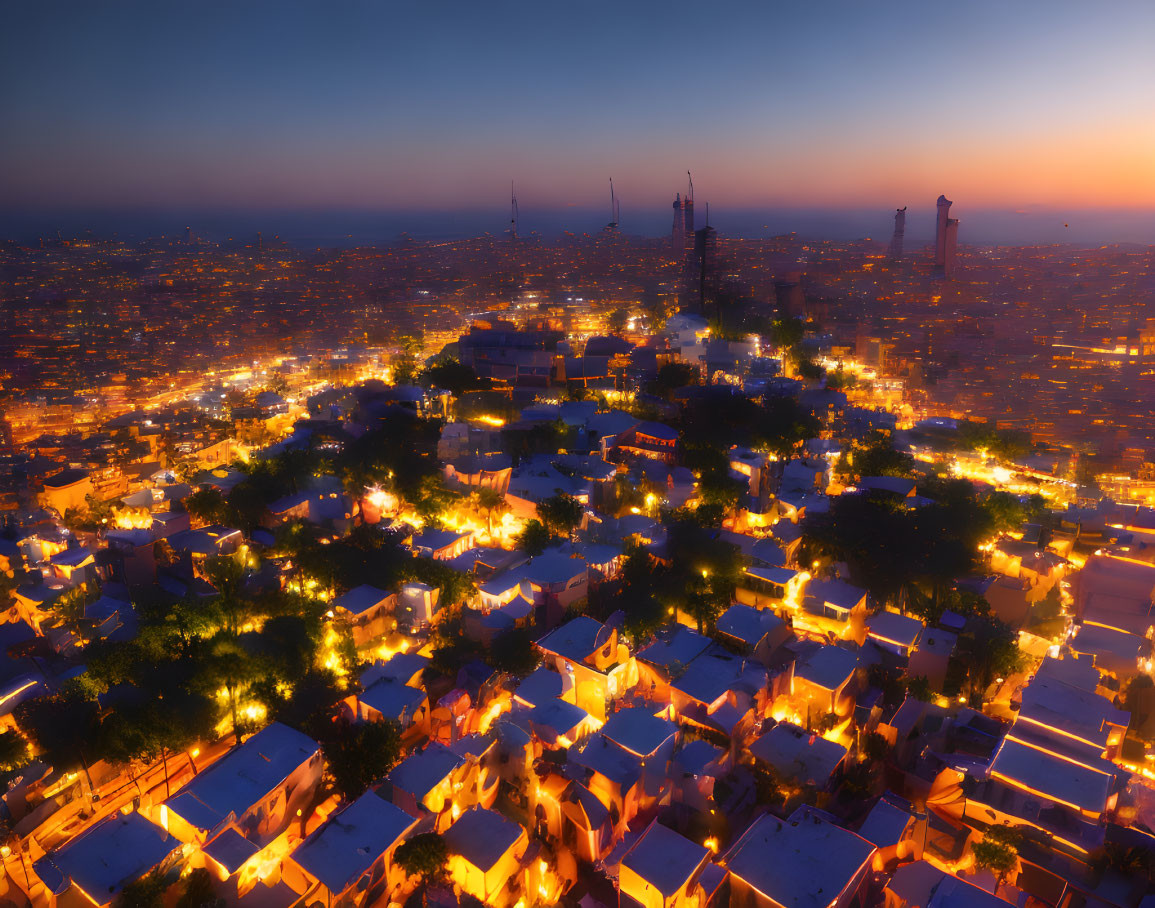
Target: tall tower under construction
895, 251
945, 238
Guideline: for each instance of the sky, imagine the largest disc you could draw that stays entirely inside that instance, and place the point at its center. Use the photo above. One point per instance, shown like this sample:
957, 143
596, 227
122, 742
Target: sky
249, 106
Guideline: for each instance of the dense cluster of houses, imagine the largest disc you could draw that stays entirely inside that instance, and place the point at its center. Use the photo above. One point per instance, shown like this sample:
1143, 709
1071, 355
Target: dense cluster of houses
755, 762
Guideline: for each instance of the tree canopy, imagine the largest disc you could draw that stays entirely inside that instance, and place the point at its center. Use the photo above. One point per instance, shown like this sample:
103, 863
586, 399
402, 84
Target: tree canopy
357, 755
452, 375
561, 514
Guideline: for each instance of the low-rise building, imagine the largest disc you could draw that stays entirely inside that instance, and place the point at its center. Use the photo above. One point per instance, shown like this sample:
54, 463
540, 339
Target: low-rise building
806, 861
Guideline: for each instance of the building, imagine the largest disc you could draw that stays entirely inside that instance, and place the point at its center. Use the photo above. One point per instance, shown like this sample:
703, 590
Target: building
588, 653
662, 871
705, 264
803, 862
66, 490
799, 756
945, 238
100, 862
257, 787
485, 856
895, 251
368, 611
348, 859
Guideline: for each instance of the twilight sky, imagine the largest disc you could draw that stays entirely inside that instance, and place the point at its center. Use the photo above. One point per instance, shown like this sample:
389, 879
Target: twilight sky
253, 105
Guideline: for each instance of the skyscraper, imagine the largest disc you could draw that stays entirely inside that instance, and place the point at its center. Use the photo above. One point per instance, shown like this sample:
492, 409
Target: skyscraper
945, 238
705, 259
683, 231
899, 233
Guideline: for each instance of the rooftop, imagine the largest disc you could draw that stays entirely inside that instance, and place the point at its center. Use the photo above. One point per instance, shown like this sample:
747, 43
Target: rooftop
360, 599
110, 854
421, 771
638, 731
482, 837
664, 859
348, 843
803, 862
828, 667
577, 639
795, 753
242, 777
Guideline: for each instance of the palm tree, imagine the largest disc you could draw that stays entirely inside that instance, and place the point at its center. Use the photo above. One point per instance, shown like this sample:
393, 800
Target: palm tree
227, 574
491, 502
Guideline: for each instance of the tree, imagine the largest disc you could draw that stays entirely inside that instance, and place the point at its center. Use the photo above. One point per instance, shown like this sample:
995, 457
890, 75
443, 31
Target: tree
62, 727
452, 375
491, 503
513, 652
208, 506
424, 856
1005, 511
13, 751
919, 688
356, 756
168, 719
405, 366
877, 458
672, 376
617, 321
989, 649
227, 574
534, 538
998, 851
781, 424
561, 514
840, 380
145, 892
722, 492
1130, 861
228, 664
199, 892
1139, 701
874, 536
809, 370
704, 572
636, 594
786, 333
310, 706
288, 645
875, 747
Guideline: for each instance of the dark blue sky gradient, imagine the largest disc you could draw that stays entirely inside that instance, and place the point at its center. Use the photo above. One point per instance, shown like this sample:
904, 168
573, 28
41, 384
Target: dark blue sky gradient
252, 107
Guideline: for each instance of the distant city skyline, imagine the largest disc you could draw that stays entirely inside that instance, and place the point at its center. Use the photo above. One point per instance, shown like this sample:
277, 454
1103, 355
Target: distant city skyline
350, 227
269, 106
